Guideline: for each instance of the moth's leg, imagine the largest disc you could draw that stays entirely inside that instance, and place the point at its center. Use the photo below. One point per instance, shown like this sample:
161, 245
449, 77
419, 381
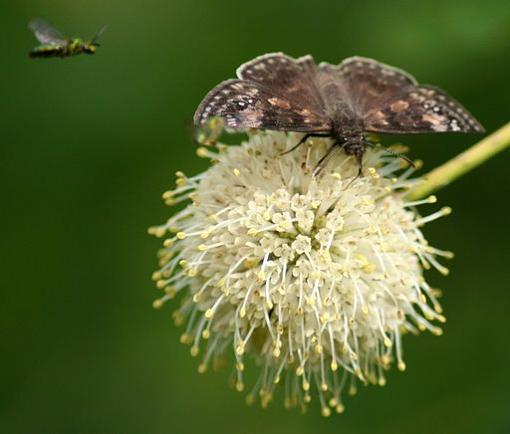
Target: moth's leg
304, 139
359, 159
321, 163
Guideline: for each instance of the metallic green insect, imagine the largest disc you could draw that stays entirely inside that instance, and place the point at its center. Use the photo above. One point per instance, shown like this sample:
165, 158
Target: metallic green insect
54, 44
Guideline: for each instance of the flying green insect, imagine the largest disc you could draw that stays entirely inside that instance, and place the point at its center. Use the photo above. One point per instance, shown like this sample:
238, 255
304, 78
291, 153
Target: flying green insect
54, 44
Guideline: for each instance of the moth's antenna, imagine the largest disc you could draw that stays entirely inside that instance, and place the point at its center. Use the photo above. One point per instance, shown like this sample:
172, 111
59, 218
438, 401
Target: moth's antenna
98, 35
396, 154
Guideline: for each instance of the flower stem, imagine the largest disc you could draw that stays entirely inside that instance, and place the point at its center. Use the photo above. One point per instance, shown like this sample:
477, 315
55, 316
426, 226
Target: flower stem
462, 163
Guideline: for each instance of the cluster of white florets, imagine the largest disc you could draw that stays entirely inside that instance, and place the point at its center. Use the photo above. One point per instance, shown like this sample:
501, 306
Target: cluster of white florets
316, 278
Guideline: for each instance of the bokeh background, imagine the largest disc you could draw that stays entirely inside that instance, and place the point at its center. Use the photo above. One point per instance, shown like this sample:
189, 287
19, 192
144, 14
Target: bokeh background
88, 144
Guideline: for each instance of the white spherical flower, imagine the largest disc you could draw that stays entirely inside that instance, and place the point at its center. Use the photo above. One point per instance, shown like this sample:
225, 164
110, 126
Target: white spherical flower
315, 278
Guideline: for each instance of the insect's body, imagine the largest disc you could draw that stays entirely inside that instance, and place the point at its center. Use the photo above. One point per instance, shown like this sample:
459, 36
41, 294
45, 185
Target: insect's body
344, 102
54, 44
72, 47
347, 130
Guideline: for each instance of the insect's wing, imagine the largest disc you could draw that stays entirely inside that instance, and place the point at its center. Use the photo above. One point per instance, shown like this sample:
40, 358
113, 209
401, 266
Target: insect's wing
45, 33
283, 76
361, 83
95, 39
248, 104
421, 109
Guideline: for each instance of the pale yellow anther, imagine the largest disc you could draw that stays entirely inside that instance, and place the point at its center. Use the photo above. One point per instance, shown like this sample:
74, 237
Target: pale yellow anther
181, 235
168, 242
252, 231
401, 366
205, 234
240, 366
180, 182
242, 312
446, 210
184, 339
326, 412
300, 371
157, 304
306, 386
194, 351
385, 360
236, 172
339, 408
387, 342
432, 199
334, 366
202, 368
202, 152
240, 349
324, 387
156, 275
170, 292
161, 284
167, 194
192, 272
437, 331
209, 313
239, 386
196, 298
206, 334
373, 172
202, 248
382, 381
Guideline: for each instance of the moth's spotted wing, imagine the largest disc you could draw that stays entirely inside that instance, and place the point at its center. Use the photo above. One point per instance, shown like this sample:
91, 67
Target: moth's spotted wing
286, 77
361, 83
389, 100
45, 33
273, 92
245, 104
420, 109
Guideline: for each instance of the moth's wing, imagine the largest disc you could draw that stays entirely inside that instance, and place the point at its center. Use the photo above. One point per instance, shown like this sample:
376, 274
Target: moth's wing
45, 33
362, 82
421, 109
286, 77
247, 104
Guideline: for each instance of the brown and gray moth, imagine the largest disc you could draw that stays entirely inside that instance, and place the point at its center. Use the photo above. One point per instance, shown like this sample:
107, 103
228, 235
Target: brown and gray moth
344, 102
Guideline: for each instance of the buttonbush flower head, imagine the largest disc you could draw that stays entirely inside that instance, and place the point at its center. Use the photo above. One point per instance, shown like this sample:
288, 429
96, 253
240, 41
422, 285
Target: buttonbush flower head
314, 279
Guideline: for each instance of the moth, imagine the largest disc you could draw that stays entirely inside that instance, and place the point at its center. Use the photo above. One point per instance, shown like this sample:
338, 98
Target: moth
345, 102
54, 44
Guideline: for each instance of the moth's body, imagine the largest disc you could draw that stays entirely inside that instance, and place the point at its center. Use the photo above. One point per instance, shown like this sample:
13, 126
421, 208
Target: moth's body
54, 44
344, 102
347, 130
72, 47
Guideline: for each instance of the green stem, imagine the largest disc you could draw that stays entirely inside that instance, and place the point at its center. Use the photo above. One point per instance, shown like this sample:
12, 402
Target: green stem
462, 163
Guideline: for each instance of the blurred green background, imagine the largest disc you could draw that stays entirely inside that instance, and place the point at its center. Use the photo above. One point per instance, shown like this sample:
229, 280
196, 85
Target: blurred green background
88, 144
